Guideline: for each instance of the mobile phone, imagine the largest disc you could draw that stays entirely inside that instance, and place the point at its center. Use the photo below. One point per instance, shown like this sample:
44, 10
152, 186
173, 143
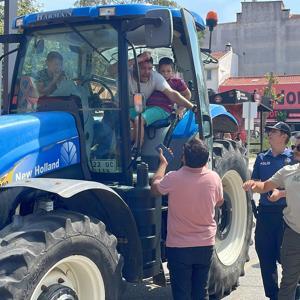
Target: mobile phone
166, 152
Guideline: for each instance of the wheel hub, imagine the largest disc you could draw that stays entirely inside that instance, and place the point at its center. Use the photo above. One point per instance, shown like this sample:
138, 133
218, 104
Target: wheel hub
224, 218
58, 292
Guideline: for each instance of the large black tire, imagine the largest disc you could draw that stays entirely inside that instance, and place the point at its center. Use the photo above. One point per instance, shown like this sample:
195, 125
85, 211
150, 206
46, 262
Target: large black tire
234, 220
43, 256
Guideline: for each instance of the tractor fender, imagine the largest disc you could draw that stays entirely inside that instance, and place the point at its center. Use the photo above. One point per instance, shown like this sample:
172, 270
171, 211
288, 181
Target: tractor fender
222, 121
99, 201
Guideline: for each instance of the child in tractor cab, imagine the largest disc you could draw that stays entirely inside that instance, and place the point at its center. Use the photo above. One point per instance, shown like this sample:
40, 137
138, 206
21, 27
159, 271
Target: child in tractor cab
158, 99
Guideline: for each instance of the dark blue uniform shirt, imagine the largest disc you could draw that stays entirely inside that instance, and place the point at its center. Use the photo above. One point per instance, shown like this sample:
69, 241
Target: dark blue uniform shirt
266, 165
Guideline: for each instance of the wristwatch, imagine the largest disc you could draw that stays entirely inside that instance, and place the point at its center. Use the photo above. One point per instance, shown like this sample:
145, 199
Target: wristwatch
194, 108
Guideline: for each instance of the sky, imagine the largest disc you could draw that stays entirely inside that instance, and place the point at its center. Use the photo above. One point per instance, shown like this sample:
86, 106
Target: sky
226, 9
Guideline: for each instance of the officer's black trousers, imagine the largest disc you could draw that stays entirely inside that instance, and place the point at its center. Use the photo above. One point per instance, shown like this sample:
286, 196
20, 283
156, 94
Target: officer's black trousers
268, 238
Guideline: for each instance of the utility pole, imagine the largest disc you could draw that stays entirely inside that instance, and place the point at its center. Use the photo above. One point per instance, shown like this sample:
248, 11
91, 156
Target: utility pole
10, 12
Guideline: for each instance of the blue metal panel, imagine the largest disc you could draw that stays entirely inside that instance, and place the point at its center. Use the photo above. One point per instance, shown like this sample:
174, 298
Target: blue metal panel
37, 143
121, 10
187, 125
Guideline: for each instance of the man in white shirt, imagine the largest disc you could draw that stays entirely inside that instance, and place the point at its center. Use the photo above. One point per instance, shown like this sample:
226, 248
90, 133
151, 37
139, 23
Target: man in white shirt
151, 81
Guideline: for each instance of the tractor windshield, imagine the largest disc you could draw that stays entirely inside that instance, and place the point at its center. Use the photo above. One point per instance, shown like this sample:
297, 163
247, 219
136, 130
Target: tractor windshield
74, 62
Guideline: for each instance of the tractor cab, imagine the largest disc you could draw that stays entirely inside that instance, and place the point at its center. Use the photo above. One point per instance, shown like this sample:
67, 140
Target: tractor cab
67, 122
91, 44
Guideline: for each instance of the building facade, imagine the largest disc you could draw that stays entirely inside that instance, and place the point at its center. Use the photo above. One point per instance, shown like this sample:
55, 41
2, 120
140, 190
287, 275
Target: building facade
227, 66
287, 89
265, 36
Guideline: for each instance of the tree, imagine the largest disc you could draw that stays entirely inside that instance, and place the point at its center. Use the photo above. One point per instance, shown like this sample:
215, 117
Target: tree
270, 91
28, 6
79, 3
24, 7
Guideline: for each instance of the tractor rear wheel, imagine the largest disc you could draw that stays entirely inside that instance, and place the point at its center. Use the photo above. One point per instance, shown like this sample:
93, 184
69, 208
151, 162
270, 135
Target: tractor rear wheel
58, 255
234, 220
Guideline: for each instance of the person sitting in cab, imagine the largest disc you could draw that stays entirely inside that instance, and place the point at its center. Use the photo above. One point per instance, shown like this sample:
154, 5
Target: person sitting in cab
151, 81
48, 79
158, 100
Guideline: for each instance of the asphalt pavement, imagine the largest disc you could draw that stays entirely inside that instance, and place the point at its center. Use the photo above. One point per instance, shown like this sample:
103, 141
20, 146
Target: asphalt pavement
250, 286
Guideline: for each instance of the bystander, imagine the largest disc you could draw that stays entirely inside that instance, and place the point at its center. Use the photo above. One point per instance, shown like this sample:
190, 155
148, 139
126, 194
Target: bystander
269, 225
287, 178
193, 192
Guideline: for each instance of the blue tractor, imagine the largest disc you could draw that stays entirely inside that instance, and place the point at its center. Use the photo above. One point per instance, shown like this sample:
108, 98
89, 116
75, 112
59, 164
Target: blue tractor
77, 217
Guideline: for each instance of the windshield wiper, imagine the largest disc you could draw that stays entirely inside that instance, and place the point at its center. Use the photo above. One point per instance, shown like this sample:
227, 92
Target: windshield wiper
86, 40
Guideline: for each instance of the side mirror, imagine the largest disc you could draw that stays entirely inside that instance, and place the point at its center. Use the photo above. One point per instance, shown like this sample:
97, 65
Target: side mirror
139, 102
159, 33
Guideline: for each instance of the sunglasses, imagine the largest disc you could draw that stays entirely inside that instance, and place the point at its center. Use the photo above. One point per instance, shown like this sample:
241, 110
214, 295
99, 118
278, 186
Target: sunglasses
293, 147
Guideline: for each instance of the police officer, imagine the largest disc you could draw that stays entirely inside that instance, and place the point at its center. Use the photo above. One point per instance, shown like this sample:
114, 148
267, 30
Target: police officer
269, 225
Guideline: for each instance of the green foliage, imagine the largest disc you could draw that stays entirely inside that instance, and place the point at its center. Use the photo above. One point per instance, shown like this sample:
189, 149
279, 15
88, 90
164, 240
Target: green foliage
28, 6
79, 3
269, 90
24, 7
281, 116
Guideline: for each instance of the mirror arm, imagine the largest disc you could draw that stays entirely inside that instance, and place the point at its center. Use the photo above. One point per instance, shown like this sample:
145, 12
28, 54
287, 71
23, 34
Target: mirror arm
205, 50
208, 119
134, 24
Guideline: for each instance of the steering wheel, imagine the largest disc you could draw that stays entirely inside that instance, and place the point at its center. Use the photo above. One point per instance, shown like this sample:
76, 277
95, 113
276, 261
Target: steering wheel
103, 85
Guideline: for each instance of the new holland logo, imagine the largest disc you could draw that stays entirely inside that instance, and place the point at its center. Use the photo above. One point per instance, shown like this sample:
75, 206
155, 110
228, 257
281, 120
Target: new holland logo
68, 153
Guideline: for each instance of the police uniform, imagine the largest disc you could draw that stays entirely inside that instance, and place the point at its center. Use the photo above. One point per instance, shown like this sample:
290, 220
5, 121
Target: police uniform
269, 224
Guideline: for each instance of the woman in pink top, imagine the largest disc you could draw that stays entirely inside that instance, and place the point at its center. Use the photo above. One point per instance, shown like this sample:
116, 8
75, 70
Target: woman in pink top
193, 192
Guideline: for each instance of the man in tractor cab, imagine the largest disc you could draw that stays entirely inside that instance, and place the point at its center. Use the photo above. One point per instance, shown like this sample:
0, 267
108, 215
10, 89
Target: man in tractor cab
48, 79
151, 81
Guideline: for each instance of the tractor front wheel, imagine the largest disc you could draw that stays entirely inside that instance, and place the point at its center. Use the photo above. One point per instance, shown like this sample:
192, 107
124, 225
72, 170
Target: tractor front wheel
234, 220
58, 255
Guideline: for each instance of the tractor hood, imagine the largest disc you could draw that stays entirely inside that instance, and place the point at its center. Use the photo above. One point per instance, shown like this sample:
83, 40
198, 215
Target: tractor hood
36, 143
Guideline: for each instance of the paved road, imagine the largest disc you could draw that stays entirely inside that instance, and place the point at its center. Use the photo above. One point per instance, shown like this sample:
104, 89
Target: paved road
250, 287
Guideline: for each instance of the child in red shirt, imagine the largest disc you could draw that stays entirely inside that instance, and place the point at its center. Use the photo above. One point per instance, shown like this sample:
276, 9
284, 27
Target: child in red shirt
158, 99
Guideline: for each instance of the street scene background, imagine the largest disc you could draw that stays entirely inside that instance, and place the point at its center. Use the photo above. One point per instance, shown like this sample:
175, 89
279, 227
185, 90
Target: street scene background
250, 286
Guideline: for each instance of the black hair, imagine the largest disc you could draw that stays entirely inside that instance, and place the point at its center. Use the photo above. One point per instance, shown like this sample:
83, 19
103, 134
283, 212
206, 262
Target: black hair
54, 55
166, 61
196, 153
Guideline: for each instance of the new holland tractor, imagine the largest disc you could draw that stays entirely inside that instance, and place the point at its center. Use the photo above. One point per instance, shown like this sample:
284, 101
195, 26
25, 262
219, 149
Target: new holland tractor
77, 217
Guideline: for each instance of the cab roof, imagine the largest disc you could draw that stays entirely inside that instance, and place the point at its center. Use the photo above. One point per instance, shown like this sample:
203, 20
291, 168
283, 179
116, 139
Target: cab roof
96, 12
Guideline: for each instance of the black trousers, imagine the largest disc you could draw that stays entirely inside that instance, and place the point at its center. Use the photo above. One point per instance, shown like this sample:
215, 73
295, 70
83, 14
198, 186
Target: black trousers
189, 269
268, 239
